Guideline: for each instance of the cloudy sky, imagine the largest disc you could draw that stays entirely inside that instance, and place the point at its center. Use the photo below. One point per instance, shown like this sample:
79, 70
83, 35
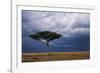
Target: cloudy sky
74, 27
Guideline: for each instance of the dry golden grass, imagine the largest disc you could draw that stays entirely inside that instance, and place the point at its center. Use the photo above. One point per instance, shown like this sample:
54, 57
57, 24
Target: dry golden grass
35, 57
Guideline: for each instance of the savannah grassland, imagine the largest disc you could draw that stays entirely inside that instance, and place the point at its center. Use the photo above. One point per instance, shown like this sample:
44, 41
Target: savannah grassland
54, 56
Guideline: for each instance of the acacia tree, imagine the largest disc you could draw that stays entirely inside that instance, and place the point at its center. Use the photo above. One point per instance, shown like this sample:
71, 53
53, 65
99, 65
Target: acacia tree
45, 37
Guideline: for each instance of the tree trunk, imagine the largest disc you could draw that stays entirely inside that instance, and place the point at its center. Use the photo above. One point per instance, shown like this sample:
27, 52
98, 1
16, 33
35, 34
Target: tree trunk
47, 43
49, 49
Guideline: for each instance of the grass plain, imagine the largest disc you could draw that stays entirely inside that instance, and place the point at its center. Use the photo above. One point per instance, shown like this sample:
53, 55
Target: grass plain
54, 56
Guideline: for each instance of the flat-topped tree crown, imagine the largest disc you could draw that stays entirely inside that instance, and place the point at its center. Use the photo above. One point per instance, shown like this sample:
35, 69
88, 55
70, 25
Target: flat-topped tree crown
45, 36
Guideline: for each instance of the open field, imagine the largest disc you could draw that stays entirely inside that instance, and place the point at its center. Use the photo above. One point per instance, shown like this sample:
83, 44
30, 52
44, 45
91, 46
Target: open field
36, 57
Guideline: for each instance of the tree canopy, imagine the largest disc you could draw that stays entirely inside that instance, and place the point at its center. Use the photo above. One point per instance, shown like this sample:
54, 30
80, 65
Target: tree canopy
45, 35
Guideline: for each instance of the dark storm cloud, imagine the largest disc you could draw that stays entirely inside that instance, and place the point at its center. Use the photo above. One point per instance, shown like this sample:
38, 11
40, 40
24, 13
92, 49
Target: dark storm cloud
63, 23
